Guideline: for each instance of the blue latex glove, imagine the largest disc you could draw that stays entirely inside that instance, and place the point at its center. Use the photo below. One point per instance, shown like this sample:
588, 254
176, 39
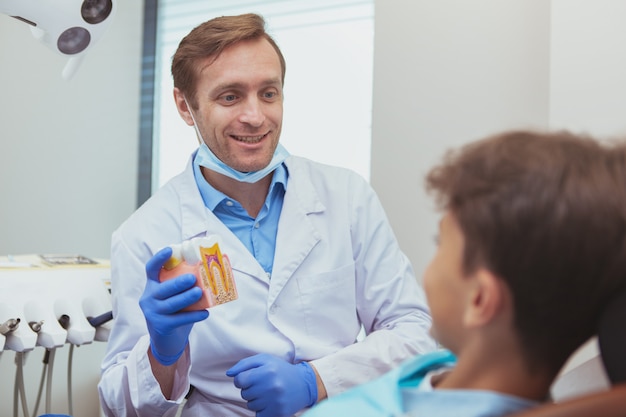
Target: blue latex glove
161, 303
274, 387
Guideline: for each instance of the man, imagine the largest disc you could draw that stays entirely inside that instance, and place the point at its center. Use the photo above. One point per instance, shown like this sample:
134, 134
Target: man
532, 247
313, 256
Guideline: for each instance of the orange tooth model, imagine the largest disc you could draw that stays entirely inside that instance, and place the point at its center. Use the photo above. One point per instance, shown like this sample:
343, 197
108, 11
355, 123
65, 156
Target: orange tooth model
213, 272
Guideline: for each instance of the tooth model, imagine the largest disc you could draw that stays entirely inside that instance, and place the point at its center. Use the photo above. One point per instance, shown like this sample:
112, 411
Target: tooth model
203, 258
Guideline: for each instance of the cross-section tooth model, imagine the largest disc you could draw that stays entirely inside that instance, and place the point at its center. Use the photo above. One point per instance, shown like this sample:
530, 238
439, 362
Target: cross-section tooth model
203, 258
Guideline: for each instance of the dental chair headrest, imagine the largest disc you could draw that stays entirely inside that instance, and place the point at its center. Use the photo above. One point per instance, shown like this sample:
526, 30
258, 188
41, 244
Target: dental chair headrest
612, 339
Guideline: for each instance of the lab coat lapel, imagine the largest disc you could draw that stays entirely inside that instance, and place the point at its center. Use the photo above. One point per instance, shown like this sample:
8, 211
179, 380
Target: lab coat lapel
192, 208
297, 234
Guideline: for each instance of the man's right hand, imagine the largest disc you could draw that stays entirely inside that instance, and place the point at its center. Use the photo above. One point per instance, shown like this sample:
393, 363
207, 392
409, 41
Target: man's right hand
161, 303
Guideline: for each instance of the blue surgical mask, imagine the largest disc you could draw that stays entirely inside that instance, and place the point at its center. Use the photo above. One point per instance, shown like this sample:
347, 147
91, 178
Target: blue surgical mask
206, 158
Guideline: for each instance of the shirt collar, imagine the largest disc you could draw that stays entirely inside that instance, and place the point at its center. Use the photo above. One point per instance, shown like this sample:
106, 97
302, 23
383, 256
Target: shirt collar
212, 197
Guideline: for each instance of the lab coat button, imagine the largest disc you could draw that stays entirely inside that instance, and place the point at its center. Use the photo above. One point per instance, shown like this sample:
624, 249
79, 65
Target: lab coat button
257, 225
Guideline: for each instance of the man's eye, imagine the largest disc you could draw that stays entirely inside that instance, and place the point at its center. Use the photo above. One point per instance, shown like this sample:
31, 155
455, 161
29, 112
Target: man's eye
269, 94
230, 97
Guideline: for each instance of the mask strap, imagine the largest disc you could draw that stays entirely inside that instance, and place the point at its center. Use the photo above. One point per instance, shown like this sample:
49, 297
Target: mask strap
195, 125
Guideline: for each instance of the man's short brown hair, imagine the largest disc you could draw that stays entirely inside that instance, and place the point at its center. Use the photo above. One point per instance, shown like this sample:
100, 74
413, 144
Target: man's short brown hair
210, 39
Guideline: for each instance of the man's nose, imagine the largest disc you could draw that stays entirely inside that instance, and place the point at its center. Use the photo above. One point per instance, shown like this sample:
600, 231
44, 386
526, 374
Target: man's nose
252, 112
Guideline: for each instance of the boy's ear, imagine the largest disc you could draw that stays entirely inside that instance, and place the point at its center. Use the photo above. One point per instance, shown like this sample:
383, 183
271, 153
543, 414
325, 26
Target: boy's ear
486, 299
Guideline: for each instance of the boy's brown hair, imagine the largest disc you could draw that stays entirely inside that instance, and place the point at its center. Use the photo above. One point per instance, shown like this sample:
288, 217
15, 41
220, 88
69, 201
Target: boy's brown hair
210, 39
546, 213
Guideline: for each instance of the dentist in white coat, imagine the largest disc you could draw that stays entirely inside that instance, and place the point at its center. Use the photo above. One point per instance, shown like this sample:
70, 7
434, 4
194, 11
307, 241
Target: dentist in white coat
313, 255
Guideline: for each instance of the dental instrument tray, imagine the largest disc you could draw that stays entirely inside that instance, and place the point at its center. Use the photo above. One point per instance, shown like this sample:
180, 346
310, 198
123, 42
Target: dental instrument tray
59, 260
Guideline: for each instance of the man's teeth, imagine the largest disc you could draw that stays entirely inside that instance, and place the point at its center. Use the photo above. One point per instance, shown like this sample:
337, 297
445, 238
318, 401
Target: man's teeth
249, 139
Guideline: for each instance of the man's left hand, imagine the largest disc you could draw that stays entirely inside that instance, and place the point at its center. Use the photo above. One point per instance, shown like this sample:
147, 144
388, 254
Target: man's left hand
274, 387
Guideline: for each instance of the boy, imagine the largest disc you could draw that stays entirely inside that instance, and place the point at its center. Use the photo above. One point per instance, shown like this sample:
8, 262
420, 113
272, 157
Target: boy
532, 245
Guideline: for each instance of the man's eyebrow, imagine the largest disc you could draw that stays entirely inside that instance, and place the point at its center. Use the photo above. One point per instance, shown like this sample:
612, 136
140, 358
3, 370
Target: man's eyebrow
240, 86
228, 86
273, 82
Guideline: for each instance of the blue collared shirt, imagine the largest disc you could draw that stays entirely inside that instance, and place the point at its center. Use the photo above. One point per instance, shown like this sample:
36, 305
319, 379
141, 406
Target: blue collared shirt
258, 235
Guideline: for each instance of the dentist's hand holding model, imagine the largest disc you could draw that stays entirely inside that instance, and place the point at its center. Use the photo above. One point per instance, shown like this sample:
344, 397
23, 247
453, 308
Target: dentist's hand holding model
161, 304
313, 257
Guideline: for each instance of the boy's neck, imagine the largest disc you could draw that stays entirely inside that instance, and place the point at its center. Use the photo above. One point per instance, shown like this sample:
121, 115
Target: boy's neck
498, 367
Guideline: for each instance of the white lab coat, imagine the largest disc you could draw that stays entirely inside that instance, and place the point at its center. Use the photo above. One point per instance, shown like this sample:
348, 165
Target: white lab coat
337, 266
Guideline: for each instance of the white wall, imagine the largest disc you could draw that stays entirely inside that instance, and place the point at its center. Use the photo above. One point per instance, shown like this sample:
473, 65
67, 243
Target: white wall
68, 149
446, 72
68, 169
588, 69
450, 71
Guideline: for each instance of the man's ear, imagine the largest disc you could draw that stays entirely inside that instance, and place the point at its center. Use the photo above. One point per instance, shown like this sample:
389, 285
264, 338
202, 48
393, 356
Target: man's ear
487, 299
183, 106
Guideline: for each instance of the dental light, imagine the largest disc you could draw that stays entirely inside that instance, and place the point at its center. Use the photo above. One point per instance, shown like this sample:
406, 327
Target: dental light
69, 27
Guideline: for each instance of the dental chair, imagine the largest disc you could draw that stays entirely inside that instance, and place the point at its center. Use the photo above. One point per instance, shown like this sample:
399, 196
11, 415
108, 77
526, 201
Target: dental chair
612, 346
